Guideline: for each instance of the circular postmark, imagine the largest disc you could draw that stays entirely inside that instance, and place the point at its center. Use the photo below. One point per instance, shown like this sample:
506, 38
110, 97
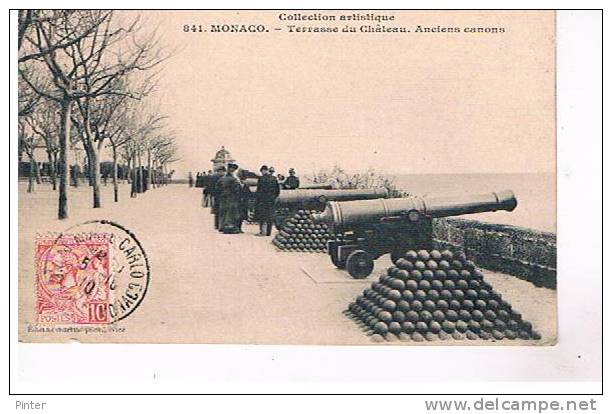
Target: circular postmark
95, 272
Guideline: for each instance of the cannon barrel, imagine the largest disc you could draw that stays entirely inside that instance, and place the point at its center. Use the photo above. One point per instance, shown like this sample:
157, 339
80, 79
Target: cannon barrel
288, 198
316, 186
348, 214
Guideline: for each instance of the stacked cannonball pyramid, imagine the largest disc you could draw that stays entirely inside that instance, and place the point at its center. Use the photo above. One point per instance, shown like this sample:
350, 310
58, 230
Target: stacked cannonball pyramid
431, 295
301, 234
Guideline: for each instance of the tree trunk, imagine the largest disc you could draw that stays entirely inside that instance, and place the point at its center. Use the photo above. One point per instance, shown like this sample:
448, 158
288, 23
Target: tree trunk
31, 174
115, 184
52, 176
62, 210
129, 170
140, 175
149, 169
95, 178
36, 170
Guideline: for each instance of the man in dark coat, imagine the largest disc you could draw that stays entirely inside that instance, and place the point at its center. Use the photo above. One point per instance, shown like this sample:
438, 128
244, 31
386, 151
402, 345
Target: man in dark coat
229, 193
267, 191
292, 182
214, 189
245, 199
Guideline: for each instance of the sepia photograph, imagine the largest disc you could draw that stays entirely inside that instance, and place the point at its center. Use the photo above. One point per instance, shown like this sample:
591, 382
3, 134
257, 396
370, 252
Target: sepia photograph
261, 195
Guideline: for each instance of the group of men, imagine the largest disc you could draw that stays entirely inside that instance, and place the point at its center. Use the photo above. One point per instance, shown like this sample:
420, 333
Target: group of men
228, 196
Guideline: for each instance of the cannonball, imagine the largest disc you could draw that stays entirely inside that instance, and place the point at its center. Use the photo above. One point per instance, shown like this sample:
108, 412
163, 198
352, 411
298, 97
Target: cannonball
428, 275
384, 316
405, 265
456, 264
487, 325
448, 326
469, 265
394, 294
526, 325
412, 316
480, 305
471, 335
403, 336
432, 265
446, 294
381, 328
474, 326
477, 315
513, 325
392, 270
438, 315
490, 315
373, 322
449, 284
411, 255
458, 294
486, 285
425, 316
458, 336
468, 305
435, 327
443, 336
451, 315
499, 324
398, 284
416, 275
417, 337
423, 254
446, 254
395, 327
460, 256
437, 284
443, 265
498, 335
402, 275
503, 315
536, 335
435, 254
411, 285
465, 275
454, 305
399, 316
442, 305
420, 265
477, 275
516, 315
433, 294
377, 338
420, 294
416, 305
524, 335
429, 305
429, 336
440, 275
407, 295
403, 305
389, 305
424, 285
408, 327
368, 319
421, 327
464, 315
452, 275
462, 284
471, 294
485, 335
510, 334
484, 294
474, 284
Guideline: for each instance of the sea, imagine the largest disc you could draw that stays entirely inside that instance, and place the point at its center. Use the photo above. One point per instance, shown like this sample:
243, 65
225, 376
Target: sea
535, 192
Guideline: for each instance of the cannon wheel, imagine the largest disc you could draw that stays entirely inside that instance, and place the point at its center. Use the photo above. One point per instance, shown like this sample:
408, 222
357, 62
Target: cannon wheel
359, 264
333, 255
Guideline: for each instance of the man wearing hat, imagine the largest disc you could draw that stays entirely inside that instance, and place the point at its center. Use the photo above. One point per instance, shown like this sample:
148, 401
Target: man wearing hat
292, 182
267, 191
214, 191
229, 192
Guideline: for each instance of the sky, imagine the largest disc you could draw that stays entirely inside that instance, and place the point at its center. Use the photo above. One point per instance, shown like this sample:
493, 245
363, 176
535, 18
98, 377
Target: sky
402, 103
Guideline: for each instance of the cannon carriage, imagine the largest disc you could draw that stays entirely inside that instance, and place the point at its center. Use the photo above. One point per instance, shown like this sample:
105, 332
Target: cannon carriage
372, 228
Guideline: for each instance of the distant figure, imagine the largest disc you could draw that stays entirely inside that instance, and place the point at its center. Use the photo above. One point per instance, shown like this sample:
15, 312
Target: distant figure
245, 197
190, 179
267, 191
281, 180
229, 196
214, 191
207, 183
292, 182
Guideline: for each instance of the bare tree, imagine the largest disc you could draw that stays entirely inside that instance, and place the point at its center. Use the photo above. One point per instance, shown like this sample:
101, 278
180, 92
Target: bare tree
86, 54
28, 141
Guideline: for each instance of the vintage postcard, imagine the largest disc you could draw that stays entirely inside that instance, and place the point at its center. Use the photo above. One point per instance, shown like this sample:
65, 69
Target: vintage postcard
287, 177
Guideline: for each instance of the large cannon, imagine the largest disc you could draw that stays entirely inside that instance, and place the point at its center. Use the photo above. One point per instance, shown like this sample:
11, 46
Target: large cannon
290, 201
371, 228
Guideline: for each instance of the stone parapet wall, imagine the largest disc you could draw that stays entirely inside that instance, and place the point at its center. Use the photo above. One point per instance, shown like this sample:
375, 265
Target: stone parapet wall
525, 253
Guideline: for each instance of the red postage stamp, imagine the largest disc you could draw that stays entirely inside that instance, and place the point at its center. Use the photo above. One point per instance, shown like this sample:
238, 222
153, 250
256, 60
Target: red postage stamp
73, 279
